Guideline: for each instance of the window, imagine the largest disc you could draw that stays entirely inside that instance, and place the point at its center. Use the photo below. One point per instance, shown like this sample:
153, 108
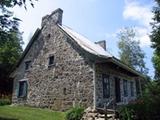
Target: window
22, 89
137, 84
51, 60
64, 91
125, 88
132, 89
117, 90
106, 86
27, 65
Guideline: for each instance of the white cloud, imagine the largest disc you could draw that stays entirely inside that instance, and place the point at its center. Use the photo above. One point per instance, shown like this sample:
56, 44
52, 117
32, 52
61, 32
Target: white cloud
143, 36
135, 11
142, 14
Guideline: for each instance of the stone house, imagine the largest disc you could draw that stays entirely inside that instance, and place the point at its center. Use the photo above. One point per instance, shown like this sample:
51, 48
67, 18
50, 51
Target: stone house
60, 68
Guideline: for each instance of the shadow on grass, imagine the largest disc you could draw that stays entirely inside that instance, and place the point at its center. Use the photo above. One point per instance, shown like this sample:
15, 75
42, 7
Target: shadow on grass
2, 118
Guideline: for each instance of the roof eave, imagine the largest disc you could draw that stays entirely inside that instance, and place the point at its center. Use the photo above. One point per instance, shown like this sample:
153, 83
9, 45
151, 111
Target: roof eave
118, 62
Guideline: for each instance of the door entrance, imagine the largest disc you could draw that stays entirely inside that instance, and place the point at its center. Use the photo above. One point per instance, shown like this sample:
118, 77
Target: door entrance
117, 90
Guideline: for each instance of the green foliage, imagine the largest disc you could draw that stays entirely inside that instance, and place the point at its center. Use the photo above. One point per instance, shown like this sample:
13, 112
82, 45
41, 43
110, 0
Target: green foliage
5, 102
146, 107
130, 52
10, 44
126, 113
133, 111
10, 51
12, 3
7, 21
155, 38
75, 113
156, 63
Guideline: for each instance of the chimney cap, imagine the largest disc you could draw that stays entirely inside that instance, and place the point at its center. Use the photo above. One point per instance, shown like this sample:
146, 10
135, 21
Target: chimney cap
54, 18
101, 43
59, 10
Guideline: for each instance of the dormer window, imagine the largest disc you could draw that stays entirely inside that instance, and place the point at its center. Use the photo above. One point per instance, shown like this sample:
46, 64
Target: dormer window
27, 65
51, 60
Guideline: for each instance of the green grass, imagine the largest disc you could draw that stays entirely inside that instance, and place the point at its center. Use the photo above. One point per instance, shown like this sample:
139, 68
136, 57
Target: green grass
28, 113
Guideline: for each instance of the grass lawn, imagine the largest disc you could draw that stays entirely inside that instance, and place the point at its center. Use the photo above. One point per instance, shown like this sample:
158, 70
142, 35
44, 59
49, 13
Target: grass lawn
28, 113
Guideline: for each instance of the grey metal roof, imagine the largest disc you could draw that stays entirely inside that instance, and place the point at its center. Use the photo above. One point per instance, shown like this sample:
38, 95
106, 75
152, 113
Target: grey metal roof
86, 44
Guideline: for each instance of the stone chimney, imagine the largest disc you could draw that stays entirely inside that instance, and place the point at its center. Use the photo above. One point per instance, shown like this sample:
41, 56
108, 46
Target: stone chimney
55, 17
102, 43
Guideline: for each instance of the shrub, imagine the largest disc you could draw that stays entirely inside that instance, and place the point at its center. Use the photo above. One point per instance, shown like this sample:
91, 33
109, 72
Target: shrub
75, 113
133, 111
126, 113
5, 102
146, 107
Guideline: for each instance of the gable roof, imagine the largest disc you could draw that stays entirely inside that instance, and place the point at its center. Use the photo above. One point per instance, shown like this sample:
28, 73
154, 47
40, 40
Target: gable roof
85, 43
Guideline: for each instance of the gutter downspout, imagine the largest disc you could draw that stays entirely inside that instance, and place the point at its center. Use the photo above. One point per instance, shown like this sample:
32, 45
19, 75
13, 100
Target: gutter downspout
94, 84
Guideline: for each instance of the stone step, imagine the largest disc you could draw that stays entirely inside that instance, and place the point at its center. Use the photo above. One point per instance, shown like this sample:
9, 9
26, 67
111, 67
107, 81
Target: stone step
102, 110
98, 114
104, 119
108, 115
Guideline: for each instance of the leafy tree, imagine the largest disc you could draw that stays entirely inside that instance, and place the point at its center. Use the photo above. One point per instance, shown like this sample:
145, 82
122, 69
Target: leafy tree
130, 51
10, 51
7, 21
155, 38
11, 3
10, 42
10, 46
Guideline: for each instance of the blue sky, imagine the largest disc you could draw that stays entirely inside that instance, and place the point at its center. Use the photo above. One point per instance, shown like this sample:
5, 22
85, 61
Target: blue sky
95, 19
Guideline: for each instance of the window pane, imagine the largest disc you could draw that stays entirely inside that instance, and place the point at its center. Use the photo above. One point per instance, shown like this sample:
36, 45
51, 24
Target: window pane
51, 60
22, 88
125, 88
106, 86
25, 89
132, 89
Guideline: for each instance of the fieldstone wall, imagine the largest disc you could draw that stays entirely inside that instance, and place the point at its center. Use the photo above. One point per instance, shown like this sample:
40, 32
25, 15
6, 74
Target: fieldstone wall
66, 83
69, 81
106, 69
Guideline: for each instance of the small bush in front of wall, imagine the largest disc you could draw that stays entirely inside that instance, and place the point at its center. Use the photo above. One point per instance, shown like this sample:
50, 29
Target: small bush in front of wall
127, 112
147, 107
75, 113
137, 110
5, 102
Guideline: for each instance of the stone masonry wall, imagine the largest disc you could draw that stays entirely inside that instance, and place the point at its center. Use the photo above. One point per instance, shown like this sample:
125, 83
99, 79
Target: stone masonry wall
105, 69
69, 81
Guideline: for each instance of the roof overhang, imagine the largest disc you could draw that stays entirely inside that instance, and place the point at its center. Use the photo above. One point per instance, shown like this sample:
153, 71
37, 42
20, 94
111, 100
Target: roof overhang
119, 63
114, 60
